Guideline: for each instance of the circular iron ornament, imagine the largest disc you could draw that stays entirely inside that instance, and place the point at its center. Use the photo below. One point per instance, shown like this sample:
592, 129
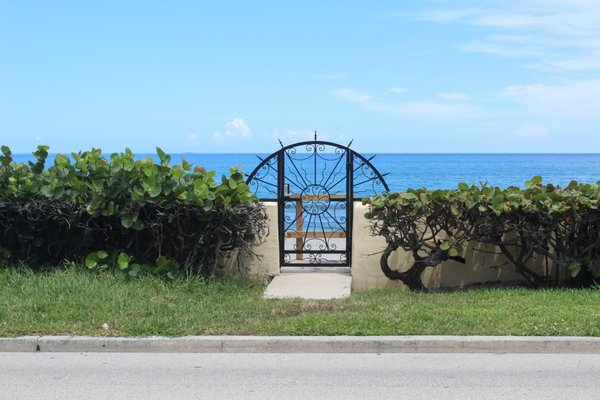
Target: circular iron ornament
313, 183
315, 199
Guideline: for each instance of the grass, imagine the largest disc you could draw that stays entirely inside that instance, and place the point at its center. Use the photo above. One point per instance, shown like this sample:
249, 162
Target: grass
76, 302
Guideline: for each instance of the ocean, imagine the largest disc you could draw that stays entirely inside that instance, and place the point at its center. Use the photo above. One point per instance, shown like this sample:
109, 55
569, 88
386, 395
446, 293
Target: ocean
436, 171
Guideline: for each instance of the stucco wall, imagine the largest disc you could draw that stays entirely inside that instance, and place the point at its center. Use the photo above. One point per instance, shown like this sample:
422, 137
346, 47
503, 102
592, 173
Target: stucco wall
265, 262
479, 267
366, 253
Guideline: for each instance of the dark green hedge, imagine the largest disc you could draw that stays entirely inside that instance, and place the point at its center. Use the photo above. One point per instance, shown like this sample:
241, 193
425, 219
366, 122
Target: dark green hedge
120, 213
560, 224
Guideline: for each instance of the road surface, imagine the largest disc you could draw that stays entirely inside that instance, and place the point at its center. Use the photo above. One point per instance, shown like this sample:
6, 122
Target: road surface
298, 376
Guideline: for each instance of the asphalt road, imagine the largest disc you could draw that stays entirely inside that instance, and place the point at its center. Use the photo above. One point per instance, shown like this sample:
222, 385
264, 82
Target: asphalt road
298, 376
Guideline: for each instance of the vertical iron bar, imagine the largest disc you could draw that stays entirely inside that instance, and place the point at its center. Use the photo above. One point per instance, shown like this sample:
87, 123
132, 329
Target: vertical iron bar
349, 204
281, 205
315, 162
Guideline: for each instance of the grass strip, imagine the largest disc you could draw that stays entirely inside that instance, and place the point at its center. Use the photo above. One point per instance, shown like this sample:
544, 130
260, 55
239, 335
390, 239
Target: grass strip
76, 302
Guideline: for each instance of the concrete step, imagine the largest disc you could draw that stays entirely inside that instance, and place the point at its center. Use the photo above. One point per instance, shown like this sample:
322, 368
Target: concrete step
313, 283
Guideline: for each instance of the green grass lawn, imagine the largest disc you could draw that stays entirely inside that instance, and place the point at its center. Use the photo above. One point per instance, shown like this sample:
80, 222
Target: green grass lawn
76, 302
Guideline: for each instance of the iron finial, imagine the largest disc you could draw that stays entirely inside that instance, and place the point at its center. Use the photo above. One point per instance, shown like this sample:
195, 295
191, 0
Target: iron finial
315, 136
350, 144
280, 142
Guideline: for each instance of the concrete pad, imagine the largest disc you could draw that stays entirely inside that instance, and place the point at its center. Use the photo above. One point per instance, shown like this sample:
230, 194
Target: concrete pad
310, 285
337, 270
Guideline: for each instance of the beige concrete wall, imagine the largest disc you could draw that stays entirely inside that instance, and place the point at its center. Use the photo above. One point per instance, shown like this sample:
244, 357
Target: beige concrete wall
366, 249
479, 267
366, 254
266, 261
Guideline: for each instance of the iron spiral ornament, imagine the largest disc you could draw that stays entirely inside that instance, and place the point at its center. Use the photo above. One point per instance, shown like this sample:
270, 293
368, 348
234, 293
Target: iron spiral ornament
314, 184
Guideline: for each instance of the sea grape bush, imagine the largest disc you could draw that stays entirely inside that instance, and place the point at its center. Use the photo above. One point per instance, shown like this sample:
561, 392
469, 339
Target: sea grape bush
561, 224
119, 212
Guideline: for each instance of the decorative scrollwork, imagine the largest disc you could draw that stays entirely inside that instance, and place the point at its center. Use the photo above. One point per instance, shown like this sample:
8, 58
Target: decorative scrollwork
315, 199
315, 208
315, 258
367, 180
263, 181
314, 193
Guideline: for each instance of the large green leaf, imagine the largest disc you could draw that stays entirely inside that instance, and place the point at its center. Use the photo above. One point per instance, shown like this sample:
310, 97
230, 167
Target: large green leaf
165, 159
123, 261
126, 221
200, 189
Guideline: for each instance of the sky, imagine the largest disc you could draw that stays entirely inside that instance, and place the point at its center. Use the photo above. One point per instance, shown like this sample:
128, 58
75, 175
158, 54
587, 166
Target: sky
224, 76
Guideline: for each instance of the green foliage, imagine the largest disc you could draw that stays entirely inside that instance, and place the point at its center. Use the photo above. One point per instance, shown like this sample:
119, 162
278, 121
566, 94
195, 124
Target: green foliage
116, 209
122, 264
562, 224
93, 260
119, 185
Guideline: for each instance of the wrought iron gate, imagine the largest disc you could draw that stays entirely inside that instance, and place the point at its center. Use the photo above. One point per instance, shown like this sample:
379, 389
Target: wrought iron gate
314, 184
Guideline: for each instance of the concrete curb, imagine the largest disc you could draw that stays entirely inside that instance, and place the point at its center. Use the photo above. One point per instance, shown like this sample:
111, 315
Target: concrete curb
304, 344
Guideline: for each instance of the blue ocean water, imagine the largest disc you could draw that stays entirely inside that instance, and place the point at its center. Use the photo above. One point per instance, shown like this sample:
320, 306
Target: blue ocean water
437, 171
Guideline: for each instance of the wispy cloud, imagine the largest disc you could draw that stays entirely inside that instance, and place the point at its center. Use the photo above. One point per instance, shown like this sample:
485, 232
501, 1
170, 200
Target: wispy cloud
398, 90
560, 35
234, 130
571, 100
493, 45
426, 109
351, 95
454, 96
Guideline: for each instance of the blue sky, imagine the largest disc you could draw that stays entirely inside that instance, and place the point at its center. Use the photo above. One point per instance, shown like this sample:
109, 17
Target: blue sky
233, 76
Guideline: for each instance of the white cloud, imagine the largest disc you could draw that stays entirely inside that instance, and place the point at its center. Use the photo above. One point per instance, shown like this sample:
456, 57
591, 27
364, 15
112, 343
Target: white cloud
531, 131
592, 62
571, 100
556, 35
398, 90
454, 96
501, 48
37, 138
351, 95
428, 110
295, 135
234, 129
416, 110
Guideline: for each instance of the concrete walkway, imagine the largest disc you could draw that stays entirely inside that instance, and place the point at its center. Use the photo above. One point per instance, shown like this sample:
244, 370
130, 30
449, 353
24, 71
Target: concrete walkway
315, 283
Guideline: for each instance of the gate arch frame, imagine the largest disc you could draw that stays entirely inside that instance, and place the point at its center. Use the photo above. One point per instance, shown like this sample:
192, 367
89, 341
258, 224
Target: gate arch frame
273, 167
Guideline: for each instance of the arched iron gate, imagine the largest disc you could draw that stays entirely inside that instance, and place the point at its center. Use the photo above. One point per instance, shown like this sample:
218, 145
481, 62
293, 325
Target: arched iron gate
314, 184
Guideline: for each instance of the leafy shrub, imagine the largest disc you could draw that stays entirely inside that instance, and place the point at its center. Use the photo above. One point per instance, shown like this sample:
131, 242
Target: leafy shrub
116, 211
562, 224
